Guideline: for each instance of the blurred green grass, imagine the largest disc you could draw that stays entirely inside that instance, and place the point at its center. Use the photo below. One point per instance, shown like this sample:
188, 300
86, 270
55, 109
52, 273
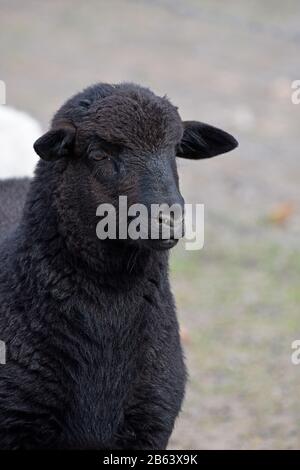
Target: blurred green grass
239, 306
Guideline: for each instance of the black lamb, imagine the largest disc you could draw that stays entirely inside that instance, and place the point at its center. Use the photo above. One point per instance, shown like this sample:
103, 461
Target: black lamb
93, 355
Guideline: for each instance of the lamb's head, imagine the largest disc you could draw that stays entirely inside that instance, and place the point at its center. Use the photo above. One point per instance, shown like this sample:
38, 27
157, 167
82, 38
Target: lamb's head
123, 140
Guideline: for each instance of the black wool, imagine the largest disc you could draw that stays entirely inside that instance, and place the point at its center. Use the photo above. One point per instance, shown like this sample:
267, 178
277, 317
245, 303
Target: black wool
94, 359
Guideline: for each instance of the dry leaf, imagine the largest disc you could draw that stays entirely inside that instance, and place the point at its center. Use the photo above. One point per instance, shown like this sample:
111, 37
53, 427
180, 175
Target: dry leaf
184, 334
281, 213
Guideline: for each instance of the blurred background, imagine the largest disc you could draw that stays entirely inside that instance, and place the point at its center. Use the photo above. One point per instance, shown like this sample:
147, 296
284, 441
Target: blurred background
230, 64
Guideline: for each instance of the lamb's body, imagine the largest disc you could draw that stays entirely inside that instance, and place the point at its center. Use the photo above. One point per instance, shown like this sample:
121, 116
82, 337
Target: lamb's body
93, 360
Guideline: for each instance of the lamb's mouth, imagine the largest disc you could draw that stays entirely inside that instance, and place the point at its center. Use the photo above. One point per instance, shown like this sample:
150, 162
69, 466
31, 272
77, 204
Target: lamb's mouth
163, 244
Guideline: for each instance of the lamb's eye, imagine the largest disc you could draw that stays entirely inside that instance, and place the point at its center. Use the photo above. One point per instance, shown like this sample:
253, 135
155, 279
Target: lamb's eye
99, 156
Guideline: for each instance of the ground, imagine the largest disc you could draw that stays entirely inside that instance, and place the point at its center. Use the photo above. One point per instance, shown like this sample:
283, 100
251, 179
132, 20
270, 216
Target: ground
231, 64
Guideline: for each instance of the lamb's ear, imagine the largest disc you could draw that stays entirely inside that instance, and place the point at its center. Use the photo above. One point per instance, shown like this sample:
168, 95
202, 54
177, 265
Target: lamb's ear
56, 143
203, 141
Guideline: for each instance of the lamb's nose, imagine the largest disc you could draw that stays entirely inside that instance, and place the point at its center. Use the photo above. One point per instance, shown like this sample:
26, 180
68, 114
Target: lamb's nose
169, 220
165, 219
170, 226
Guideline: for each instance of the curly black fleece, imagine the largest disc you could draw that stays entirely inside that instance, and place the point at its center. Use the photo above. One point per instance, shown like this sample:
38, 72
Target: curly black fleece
93, 351
94, 359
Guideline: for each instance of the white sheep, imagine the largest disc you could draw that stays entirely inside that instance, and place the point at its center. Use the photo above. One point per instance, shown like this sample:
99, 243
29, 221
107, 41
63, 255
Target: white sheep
18, 132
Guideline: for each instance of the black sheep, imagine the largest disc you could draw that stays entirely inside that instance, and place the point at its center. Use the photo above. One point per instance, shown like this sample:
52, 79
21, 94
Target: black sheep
93, 352
12, 199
